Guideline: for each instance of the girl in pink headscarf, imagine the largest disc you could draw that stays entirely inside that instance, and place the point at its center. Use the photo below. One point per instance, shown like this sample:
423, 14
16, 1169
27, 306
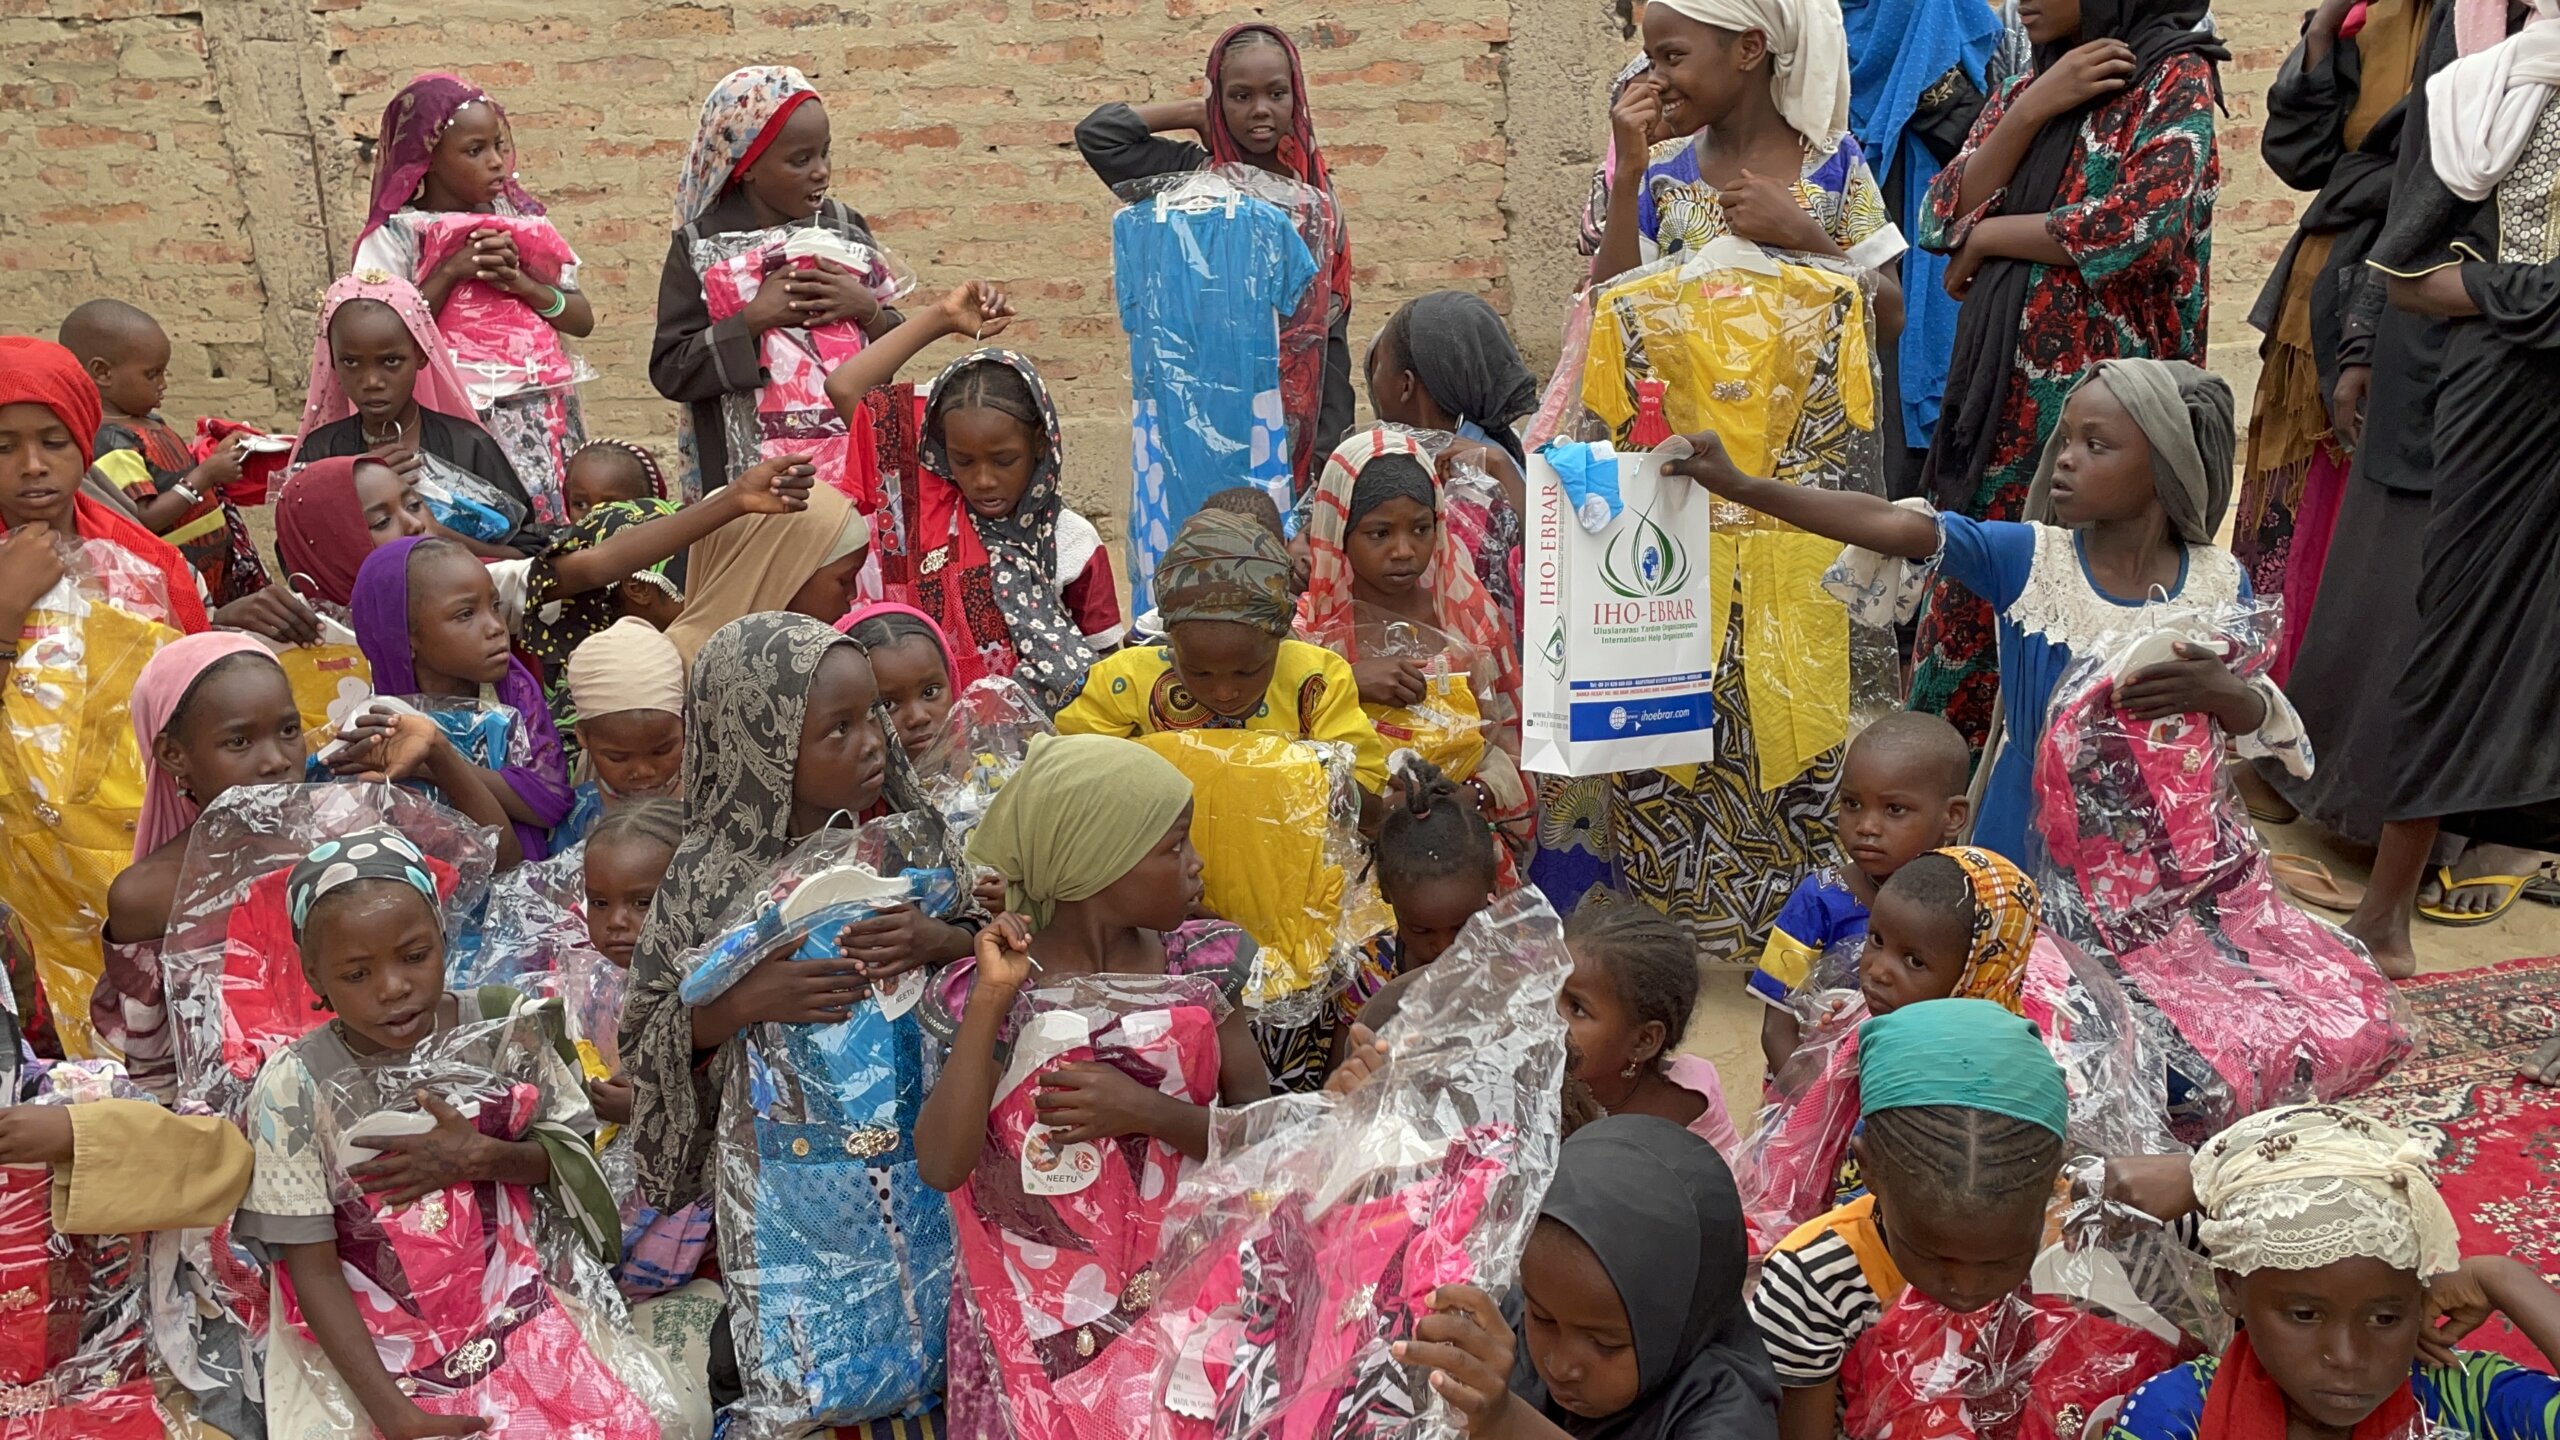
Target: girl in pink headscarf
210, 712
450, 218
383, 384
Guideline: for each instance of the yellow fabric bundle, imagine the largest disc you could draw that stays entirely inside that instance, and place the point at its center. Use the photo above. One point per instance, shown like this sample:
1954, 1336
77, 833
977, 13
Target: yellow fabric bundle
1446, 728
1261, 818
325, 678
71, 791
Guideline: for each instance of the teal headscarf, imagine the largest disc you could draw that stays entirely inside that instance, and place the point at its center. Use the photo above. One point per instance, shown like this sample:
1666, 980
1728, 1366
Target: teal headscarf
1968, 1053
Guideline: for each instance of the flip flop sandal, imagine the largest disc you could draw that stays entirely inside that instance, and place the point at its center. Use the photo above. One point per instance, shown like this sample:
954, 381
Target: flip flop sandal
2513, 885
2544, 887
2309, 881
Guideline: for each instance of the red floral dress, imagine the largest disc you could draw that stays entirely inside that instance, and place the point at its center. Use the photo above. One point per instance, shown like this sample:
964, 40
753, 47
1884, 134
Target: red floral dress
2136, 214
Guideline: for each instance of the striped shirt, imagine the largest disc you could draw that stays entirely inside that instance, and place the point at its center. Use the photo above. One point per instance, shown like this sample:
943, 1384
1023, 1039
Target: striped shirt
1820, 1289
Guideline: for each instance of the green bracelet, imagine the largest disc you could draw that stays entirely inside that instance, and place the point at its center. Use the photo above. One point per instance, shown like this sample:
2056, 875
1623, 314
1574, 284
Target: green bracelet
559, 302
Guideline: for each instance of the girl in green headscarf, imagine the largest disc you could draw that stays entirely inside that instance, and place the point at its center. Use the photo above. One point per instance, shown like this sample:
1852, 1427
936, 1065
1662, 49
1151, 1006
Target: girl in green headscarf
1094, 1086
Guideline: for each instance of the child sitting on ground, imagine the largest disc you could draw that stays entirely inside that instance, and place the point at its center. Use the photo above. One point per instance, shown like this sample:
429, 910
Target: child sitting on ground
1957, 923
1632, 1322
1018, 582
181, 499
2341, 1262
1228, 597
1902, 792
1437, 867
626, 684
330, 1210
1626, 1006
1964, 1114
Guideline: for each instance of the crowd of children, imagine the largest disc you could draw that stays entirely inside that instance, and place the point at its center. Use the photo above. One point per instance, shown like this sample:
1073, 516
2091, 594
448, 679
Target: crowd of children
557, 953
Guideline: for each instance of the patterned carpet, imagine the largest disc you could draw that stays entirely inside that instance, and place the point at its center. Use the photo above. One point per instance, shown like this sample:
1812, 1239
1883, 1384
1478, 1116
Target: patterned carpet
2497, 1137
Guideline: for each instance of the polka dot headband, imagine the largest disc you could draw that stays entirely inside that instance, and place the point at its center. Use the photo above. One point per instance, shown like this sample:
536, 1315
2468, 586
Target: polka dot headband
376, 854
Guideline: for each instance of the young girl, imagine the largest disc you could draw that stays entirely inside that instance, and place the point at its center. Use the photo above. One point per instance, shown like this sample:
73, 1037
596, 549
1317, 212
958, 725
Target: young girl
210, 712
1093, 838
1381, 550
2079, 219
805, 562
332, 513
1225, 592
1964, 1115
410, 1289
1437, 867
383, 383
911, 658
1255, 112
445, 149
626, 686
758, 166
1626, 1006
1632, 1323
1749, 101
1954, 923
626, 860
2342, 1264
782, 722
1018, 582
604, 471
2125, 504
66, 829
428, 620
1446, 361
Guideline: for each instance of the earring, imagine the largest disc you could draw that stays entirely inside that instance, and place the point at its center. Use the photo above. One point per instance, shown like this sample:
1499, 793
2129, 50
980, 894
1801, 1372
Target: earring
1629, 1073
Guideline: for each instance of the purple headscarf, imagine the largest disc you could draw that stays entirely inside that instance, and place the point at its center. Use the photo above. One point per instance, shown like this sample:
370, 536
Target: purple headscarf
411, 125
382, 629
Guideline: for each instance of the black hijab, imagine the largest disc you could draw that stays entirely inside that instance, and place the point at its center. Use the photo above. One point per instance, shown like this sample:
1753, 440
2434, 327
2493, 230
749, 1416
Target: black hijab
1995, 308
1644, 1193
1459, 349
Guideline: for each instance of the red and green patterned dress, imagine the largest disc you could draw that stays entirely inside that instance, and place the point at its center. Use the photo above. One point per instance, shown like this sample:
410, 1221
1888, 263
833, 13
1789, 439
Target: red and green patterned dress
2136, 214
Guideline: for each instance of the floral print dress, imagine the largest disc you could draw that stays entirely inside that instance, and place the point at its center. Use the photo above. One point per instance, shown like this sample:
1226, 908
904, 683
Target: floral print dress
2135, 212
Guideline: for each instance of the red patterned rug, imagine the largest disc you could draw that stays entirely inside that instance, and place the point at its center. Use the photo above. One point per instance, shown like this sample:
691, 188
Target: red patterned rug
2497, 1137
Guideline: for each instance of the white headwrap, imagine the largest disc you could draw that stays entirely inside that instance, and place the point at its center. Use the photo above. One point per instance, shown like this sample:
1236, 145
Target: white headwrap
627, 665
2310, 1185
2483, 107
1808, 57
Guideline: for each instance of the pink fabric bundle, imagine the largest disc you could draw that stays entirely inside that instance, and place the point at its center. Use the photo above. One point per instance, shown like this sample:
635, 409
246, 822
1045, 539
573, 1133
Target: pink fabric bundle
1051, 1282
452, 1292
793, 414
2025, 1367
499, 345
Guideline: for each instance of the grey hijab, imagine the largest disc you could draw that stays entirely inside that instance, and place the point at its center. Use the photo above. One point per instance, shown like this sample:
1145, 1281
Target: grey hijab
1461, 351
2185, 413
750, 692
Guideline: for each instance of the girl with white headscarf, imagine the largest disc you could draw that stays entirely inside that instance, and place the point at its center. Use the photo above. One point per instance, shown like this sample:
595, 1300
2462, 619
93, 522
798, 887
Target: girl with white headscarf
2338, 1256
1741, 127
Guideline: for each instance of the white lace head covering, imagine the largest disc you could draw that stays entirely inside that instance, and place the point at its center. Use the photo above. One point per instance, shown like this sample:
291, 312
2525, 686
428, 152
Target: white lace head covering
2310, 1185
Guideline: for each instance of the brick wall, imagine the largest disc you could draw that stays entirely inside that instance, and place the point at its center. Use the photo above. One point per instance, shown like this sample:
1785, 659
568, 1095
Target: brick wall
209, 161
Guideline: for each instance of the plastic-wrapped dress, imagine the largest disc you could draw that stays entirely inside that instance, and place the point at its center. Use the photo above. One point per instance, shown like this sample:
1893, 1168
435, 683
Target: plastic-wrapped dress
984, 740
521, 377
2150, 861
1776, 353
1796, 1163
1276, 822
1058, 1244
236, 994
70, 769
1205, 275
790, 413
481, 1299
2118, 1300
1313, 1238
837, 1257
74, 1329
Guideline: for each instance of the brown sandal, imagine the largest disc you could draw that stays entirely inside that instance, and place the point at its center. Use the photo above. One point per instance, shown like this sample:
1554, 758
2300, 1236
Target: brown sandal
2309, 881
